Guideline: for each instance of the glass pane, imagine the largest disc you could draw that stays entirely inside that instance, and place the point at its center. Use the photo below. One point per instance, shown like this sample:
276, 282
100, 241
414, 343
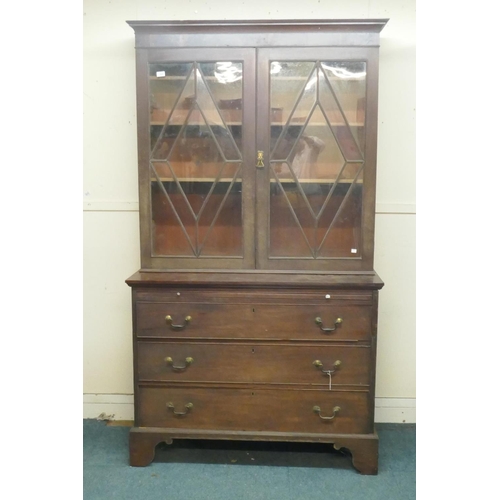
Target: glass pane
346, 81
317, 156
195, 160
339, 223
293, 93
290, 222
219, 221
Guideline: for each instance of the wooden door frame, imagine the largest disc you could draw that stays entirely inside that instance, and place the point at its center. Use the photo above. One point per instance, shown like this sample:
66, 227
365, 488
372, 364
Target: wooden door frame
206, 54
363, 264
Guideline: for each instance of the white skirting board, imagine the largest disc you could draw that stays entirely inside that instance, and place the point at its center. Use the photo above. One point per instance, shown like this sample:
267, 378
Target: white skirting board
121, 407
396, 410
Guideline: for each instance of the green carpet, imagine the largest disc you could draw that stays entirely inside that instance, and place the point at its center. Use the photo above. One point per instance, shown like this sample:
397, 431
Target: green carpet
225, 470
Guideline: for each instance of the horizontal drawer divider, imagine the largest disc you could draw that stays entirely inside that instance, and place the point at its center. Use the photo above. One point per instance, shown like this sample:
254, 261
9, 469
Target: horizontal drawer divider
262, 302
253, 386
254, 341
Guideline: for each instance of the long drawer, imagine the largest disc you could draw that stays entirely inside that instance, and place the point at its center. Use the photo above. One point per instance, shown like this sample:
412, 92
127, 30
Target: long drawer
260, 321
254, 410
254, 363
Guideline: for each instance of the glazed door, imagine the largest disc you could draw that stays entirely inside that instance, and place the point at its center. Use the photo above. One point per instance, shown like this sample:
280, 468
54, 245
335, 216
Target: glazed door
196, 152
316, 128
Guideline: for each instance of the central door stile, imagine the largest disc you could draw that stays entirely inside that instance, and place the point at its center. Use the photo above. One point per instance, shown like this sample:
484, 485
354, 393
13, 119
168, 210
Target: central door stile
263, 124
250, 198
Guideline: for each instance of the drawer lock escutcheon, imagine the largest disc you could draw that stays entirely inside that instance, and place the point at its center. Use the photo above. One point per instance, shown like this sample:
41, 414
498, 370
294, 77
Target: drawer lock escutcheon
168, 320
188, 407
177, 368
318, 364
317, 409
319, 322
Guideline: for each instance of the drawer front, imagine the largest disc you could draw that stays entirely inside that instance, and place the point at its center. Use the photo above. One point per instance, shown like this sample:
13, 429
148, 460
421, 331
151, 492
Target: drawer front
253, 363
253, 296
259, 321
306, 411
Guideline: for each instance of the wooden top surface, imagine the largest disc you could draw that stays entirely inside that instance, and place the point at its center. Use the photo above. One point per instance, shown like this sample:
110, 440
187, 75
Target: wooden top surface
350, 25
270, 279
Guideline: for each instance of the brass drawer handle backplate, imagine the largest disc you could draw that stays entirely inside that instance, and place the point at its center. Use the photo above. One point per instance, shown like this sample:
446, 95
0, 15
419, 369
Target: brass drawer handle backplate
170, 361
319, 322
168, 320
188, 407
317, 409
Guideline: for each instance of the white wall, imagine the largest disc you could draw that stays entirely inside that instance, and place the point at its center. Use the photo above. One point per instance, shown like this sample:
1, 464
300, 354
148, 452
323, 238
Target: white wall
110, 199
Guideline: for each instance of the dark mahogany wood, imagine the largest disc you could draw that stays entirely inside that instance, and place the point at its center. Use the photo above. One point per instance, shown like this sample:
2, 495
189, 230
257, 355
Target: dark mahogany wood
259, 33
261, 25
287, 280
257, 320
282, 410
255, 363
253, 339
364, 451
142, 444
362, 447
252, 368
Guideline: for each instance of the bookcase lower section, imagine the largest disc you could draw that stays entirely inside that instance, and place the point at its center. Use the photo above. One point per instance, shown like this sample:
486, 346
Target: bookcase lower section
287, 361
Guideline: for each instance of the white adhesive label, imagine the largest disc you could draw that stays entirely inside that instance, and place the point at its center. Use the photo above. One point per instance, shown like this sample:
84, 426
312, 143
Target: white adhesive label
160, 73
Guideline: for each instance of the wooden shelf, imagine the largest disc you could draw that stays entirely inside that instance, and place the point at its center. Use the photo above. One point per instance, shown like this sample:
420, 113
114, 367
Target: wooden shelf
233, 117
177, 77
196, 179
273, 78
179, 124
317, 181
272, 181
274, 124
334, 78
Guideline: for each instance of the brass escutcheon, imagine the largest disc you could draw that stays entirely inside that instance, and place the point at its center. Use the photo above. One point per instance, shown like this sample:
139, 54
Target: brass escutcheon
260, 159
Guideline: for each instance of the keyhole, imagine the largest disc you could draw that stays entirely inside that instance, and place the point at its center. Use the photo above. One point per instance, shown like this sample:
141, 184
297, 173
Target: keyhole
253, 351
